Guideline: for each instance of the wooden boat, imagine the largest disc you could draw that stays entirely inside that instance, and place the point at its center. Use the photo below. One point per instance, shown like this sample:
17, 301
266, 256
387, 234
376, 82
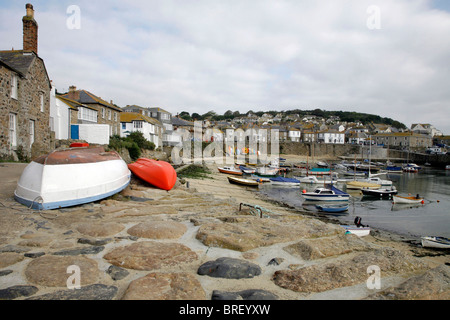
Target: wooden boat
358, 231
72, 177
160, 174
358, 185
288, 182
380, 193
407, 200
332, 208
230, 170
435, 242
243, 182
330, 193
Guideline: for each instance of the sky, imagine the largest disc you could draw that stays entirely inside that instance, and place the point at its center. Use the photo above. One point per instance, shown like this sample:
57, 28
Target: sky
384, 57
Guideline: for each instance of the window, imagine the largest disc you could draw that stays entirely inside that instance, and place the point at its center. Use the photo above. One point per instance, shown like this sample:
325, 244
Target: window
87, 114
41, 97
14, 86
109, 114
12, 130
31, 124
103, 113
115, 116
138, 124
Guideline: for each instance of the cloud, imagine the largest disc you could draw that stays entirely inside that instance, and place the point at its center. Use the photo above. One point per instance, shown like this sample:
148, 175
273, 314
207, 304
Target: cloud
198, 56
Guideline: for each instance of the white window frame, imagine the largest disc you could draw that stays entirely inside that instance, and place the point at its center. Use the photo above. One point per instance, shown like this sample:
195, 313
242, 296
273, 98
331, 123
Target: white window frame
32, 131
138, 124
13, 129
41, 101
14, 86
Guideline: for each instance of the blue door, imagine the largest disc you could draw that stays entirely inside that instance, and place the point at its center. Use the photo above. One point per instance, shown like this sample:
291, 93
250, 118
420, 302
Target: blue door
75, 132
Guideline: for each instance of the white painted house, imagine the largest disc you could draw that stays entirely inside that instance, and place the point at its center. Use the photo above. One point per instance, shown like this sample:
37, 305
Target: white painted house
150, 128
59, 116
331, 136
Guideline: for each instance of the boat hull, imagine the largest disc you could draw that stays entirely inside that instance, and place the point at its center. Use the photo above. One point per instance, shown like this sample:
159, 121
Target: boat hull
243, 182
358, 185
332, 209
227, 171
379, 193
407, 200
360, 232
435, 242
313, 197
160, 174
47, 187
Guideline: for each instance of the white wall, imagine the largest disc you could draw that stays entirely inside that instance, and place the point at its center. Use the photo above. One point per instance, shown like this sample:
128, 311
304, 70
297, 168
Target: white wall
59, 112
94, 133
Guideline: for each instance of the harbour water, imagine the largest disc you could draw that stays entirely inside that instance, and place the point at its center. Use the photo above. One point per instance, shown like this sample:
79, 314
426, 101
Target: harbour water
430, 219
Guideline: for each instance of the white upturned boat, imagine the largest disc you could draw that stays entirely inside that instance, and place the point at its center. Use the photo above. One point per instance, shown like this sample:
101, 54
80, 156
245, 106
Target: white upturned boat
71, 177
435, 242
407, 200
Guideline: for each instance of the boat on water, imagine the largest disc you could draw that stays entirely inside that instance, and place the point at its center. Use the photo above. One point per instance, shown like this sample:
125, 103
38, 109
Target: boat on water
377, 180
330, 193
160, 174
333, 208
287, 182
243, 182
393, 169
407, 200
230, 170
435, 242
313, 180
380, 193
70, 177
358, 185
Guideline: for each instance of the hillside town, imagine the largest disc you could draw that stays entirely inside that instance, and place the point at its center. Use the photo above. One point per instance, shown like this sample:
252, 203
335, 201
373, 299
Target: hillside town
34, 116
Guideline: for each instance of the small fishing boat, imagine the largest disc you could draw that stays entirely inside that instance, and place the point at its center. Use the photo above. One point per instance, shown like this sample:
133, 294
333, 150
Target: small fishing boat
435, 242
407, 200
377, 180
358, 185
160, 174
410, 169
393, 169
247, 170
332, 208
70, 177
288, 182
266, 172
380, 193
243, 182
230, 170
313, 180
358, 231
329, 193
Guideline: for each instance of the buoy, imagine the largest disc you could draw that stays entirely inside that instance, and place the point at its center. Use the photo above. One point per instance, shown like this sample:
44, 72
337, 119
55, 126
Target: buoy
423, 202
303, 191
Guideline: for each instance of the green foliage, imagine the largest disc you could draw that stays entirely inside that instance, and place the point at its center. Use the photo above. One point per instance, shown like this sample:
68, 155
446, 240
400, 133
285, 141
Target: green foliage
134, 143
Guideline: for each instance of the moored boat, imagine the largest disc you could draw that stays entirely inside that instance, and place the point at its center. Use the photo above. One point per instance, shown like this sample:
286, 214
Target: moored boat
266, 172
230, 170
380, 193
243, 182
330, 193
71, 177
358, 185
332, 208
288, 182
247, 170
407, 200
435, 242
160, 174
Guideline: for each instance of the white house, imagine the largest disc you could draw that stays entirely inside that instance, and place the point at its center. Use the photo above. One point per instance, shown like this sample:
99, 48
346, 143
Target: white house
150, 128
331, 136
294, 134
59, 116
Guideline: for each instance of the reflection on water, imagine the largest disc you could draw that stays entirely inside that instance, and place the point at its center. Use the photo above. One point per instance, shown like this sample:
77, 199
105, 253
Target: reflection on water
432, 218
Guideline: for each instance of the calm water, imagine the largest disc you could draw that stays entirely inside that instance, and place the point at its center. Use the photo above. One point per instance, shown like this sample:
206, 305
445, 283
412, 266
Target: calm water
432, 218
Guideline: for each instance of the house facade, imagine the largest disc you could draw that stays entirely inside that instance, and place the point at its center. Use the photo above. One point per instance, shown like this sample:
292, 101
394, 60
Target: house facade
137, 122
24, 97
403, 140
94, 110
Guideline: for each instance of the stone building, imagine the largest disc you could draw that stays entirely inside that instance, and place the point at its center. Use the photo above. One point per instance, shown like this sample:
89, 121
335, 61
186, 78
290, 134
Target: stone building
93, 109
24, 97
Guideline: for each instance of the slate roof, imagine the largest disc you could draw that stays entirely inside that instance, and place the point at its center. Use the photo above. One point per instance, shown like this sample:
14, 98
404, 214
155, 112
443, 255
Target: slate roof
132, 116
20, 61
86, 97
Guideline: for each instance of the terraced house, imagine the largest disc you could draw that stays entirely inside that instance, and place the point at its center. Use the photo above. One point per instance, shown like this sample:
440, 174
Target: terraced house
24, 97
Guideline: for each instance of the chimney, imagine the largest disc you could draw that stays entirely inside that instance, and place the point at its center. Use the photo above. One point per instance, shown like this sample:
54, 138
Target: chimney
30, 30
73, 94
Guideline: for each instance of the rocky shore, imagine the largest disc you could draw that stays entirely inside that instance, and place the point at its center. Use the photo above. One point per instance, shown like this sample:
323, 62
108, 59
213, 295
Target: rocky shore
194, 243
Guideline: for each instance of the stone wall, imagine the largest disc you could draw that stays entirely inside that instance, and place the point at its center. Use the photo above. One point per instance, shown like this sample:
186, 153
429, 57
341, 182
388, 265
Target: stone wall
27, 107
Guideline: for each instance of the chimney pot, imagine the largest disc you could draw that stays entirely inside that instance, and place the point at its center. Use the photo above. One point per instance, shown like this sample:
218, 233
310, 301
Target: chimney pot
72, 89
30, 30
30, 11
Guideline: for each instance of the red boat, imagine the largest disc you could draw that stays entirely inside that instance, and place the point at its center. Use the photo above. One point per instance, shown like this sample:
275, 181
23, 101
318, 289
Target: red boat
160, 174
79, 145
